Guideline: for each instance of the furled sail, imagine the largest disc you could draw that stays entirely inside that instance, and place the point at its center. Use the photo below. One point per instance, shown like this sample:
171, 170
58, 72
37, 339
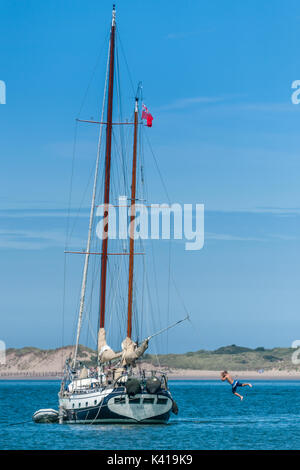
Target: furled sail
105, 353
131, 351
83, 373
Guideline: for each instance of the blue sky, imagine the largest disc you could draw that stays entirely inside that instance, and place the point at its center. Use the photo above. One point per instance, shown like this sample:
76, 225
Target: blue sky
217, 78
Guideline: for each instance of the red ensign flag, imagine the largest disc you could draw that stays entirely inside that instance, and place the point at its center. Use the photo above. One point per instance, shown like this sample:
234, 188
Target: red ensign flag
147, 115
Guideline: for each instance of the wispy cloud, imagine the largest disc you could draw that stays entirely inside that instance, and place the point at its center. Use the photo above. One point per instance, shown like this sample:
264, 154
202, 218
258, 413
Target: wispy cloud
269, 107
51, 213
186, 102
277, 211
238, 238
22, 239
229, 237
231, 104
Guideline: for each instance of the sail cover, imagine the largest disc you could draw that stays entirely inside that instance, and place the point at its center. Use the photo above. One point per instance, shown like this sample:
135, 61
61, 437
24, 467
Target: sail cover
131, 351
105, 353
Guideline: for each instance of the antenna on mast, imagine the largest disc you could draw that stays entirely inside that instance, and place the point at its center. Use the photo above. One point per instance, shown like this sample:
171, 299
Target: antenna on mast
113, 15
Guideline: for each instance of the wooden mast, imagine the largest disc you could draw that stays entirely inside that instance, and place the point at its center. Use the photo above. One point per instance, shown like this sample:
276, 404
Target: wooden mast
132, 218
107, 169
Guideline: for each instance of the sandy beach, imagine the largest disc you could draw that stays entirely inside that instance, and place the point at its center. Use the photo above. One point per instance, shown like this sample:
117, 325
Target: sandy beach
48, 365
183, 374
243, 375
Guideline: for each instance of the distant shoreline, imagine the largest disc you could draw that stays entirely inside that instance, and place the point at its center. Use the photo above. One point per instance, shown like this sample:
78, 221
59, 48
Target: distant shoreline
31, 363
181, 374
243, 375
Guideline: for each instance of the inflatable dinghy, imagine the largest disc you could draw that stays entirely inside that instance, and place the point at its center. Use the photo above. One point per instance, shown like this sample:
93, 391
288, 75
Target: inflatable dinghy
46, 416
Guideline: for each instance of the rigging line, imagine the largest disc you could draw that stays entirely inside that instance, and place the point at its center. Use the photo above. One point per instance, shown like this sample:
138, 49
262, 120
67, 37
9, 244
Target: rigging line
95, 267
86, 262
124, 56
93, 72
94, 275
121, 130
63, 310
80, 207
135, 309
117, 301
89, 302
157, 167
113, 302
75, 139
120, 150
168, 327
67, 236
179, 296
116, 182
168, 299
15, 424
142, 298
151, 310
90, 327
74, 317
154, 275
170, 241
142, 192
91, 172
71, 184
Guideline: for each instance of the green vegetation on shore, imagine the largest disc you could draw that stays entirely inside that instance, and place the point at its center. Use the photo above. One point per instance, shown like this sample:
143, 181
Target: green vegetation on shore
228, 357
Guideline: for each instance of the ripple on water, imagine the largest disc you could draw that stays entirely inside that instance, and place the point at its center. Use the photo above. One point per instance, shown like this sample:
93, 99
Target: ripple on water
210, 417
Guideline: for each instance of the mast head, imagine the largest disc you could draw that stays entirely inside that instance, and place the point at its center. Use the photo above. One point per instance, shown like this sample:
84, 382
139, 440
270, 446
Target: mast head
113, 15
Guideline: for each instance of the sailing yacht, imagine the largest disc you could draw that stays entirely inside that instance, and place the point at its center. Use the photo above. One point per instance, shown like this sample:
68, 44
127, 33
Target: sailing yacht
117, 390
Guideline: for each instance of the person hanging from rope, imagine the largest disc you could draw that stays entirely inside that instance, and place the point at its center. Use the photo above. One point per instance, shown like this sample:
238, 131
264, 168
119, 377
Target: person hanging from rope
234, 383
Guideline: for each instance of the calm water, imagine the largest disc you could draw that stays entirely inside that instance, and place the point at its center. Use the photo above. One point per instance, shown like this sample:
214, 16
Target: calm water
210, 417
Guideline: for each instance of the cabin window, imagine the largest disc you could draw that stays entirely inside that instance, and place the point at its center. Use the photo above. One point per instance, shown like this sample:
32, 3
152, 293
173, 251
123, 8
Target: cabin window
120, 400
162, 401
134, 400
148, 401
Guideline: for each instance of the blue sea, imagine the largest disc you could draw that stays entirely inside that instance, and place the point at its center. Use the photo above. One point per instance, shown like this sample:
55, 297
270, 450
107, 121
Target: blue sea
210, 417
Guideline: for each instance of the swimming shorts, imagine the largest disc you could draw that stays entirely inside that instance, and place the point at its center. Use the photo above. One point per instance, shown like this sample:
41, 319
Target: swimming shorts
236, 384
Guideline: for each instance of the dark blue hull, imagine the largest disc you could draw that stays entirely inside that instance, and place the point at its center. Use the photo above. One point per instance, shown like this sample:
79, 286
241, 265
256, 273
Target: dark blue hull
117, 407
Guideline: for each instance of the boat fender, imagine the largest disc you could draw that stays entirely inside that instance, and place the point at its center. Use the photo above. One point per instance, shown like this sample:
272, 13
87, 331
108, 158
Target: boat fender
133, 387
174, 407
153, 385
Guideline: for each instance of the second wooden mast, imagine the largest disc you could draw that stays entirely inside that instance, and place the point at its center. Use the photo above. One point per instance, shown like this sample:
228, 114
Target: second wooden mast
132, 223
107, 169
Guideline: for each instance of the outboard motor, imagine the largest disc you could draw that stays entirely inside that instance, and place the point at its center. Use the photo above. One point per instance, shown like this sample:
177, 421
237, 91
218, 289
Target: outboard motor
133, 387
153, 385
